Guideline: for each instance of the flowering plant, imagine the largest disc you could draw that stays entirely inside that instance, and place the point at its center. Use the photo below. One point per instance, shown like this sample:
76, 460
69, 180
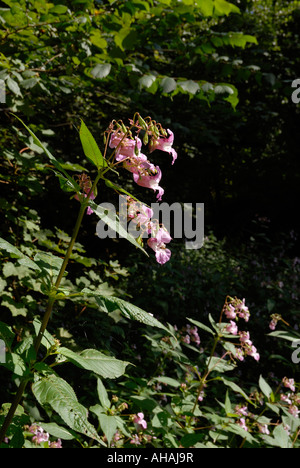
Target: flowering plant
122, 147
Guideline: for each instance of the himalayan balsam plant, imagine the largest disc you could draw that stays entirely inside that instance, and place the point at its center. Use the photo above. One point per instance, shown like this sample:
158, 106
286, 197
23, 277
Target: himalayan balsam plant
123, 148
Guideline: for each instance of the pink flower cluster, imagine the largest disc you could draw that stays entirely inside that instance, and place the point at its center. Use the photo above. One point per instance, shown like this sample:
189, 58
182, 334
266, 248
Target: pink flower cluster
191, 335
291, 399
128, 151
234, 309
40, 436
159, 236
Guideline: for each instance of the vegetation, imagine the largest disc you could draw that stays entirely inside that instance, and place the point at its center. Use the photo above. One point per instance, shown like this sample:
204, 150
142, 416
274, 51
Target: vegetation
127, 342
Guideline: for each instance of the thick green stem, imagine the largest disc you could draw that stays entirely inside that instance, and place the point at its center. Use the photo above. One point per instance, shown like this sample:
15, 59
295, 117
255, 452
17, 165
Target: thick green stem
47, 315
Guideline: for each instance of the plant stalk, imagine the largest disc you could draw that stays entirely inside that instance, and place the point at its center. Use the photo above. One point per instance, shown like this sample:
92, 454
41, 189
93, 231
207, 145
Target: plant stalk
46, 317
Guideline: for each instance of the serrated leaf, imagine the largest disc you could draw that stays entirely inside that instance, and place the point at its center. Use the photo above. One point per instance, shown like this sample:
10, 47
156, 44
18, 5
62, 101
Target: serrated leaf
56, 392
57, 431
97, 362
127, 309
90, 147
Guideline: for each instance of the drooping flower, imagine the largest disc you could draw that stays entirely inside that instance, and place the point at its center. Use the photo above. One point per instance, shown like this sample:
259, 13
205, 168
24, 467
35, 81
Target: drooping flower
289, 383
241, 410
126, 147
232, 328
150, 180
39, 434
242, 424
158, 244
242, 310
263, 429
230, 311
85, 184
135, 440
140, 421
164, 144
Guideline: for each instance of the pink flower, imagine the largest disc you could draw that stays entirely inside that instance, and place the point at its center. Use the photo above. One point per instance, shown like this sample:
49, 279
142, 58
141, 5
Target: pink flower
241, 410
263, 429
86, 185
139, 419
239, 354
242, 424
135, 440
39, 434
150, 181
232, 328
242, 310
56, 444
245, 338
293, 410
164, 144
126, 147
289, 383
158, 244
230, 311
252, 351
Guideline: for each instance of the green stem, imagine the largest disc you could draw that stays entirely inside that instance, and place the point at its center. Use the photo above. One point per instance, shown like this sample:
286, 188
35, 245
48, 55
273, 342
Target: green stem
47, 314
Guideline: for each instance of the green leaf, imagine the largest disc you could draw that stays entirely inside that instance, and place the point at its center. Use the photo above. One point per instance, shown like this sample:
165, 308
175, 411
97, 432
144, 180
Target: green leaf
201, 325
112, 220
225, 8
236, 429
265, 387
102, 394
101, 70
236, 389
285, 335
55, 392
220, 365
206, 7
168, 381
51, 157
7, 247
97, 39
95, 361
189, 86
6, 334
130, 311
146, 81
13, 86
15, 364
90, 147
57, 431
108, 425
168, 84
48, 341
